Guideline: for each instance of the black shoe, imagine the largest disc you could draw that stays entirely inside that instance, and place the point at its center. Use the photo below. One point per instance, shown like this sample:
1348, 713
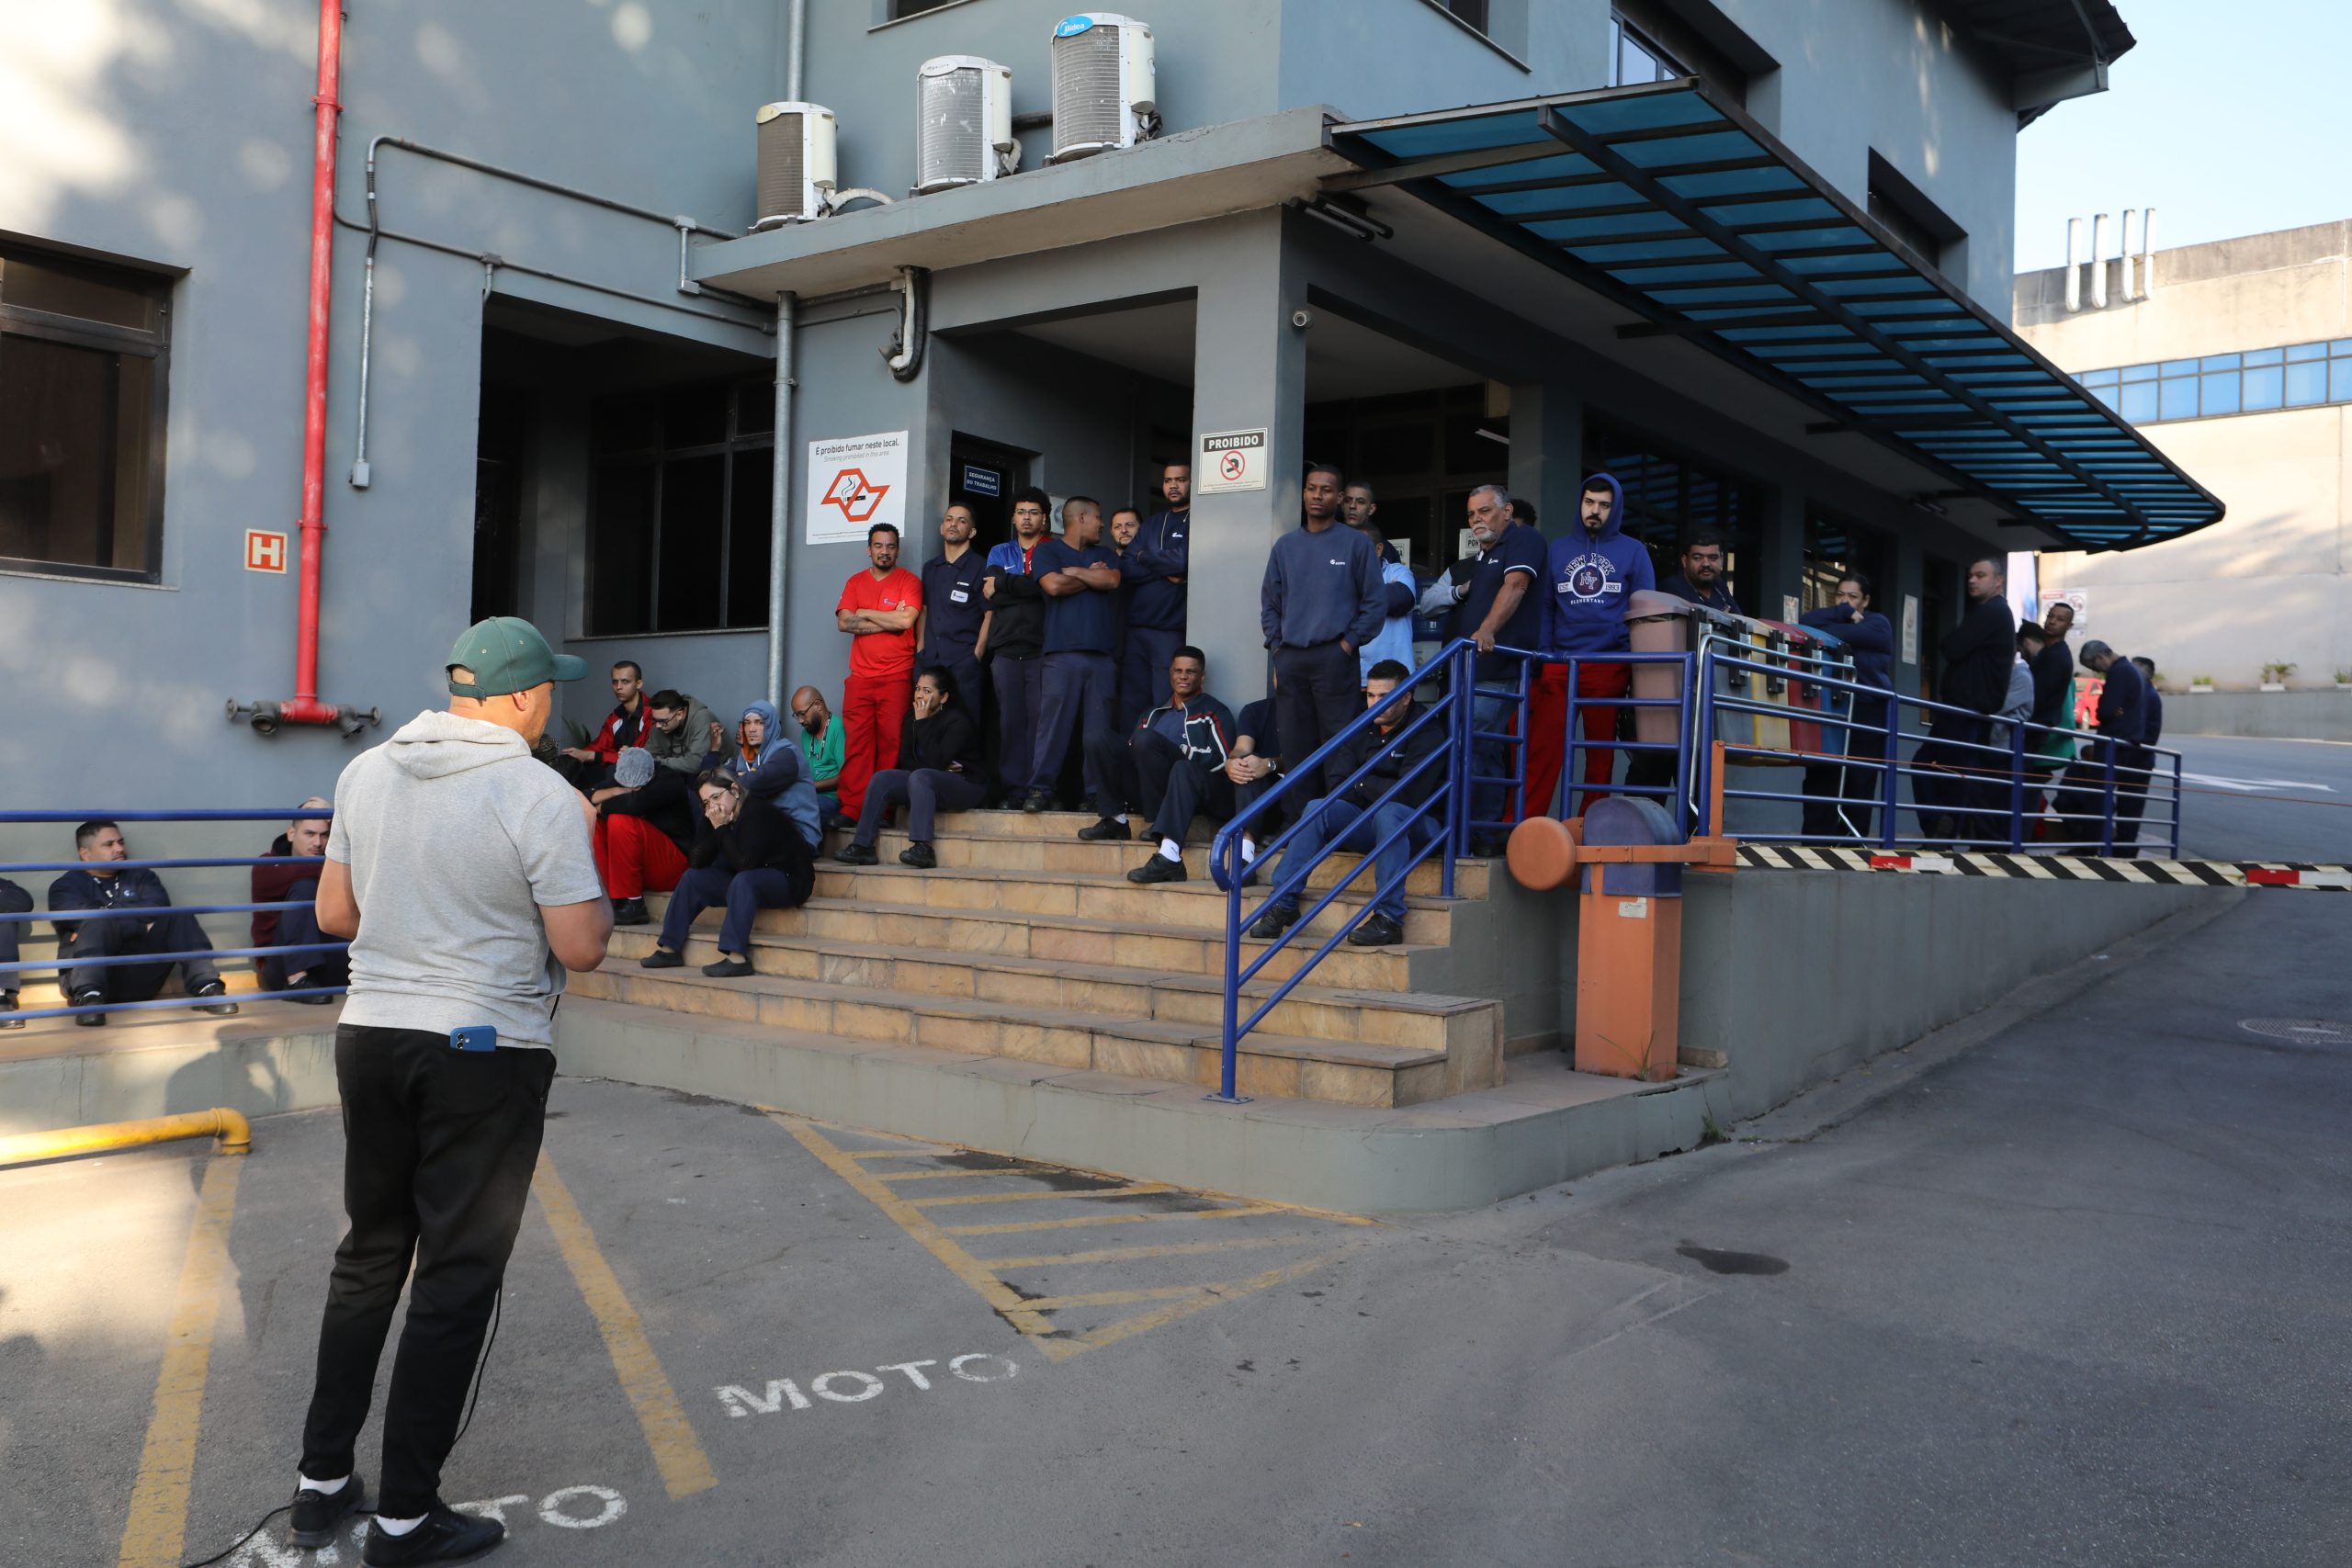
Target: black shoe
919, 854
1487, 846
1376, 930
1273, 922
631, 912
311, 995
855, 853
1036, 802
8, 1020
89, 999
317, 1514
445, 1535
727, 968
1158, 868
216, 989
660, 958
1108, 831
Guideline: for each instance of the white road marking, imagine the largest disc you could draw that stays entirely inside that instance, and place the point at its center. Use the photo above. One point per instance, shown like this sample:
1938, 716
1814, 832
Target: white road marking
564, 1507
783, 1393
2252, 786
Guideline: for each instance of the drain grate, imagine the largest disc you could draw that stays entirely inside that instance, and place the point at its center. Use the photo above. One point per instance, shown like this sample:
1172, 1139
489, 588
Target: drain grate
2299, 1031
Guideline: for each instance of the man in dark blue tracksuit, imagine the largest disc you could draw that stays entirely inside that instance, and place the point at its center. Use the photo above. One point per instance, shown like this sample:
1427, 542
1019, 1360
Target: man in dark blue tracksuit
954, 608
144, 924
1080, 577
1154, 569
1320, 601
2123, 725
1170, 768
1843, 809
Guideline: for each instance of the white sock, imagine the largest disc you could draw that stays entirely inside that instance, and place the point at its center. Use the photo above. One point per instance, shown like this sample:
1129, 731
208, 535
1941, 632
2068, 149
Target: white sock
1170, 849
396, 1527
1248, 852
323, 1488
1119, 817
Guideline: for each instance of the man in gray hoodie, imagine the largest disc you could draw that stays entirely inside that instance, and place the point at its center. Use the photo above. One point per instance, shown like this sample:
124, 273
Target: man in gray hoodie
460, 870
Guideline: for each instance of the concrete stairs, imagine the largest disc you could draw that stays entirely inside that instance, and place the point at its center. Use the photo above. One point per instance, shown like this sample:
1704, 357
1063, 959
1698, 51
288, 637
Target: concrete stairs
1026, 944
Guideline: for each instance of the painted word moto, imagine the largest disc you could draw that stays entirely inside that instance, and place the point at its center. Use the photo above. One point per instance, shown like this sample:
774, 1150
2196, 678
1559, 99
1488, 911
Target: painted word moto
854, 1387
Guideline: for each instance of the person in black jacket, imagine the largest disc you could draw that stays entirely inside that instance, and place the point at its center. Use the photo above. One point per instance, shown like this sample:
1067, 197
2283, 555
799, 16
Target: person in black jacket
1961, 784
137, 892
2125, 723
748, 855
14, 900
939, 770
1870, 638
1013, 639
1356, 822
2054, 670
1169, 767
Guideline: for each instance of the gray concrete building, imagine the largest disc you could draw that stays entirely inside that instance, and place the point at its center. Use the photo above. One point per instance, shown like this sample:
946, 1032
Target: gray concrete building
2236, 357
1751, 257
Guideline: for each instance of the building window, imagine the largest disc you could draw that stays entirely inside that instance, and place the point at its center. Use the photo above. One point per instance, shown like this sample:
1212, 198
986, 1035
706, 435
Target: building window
1472, 12
1635, 57
902, 8
2304, 375
678, 509
84, 360
1904, 210
1669, 497
1834, 550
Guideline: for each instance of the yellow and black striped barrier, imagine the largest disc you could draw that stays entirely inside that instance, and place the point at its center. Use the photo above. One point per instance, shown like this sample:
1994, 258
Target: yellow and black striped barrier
2052, 868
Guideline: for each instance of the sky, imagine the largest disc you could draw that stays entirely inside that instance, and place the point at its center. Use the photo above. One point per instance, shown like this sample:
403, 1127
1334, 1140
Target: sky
2229, 116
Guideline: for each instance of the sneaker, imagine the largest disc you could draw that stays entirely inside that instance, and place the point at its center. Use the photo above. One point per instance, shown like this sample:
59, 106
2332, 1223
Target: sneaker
317, 1514
445, 1535
660, 958
215, 988
919, 854
89, 999
1158, 868
1376, 930
729, 969
631, 912
1108, 831
1273, 922
855, 853
8, 1019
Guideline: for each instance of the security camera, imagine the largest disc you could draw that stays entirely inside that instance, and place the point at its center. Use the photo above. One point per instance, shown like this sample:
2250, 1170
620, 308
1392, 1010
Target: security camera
1301, 319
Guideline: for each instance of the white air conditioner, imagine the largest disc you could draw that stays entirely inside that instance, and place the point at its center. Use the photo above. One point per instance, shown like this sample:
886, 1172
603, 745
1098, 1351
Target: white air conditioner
796, 162
1104, 95
964, 133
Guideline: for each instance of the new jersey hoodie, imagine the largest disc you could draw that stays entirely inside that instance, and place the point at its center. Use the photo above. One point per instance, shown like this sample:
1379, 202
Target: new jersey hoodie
1590, 578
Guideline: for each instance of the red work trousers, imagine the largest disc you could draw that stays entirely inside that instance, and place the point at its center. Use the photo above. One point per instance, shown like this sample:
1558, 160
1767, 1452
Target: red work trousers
874, 709
634, 858
1599, 722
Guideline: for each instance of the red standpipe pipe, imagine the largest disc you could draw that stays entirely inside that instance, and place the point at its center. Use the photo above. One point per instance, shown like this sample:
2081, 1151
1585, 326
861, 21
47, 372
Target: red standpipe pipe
304, 706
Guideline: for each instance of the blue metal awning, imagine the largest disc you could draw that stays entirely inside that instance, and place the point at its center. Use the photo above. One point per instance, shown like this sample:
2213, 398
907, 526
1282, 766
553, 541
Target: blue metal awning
1683, 209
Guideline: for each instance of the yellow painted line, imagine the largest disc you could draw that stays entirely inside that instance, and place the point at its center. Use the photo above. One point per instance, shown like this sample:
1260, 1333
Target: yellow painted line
943, 1175
677, 1452
1127, 1254
887, 1153
1003, 1298
1137, 1189
1120, 1298
1115, 1217
156, 1531
1112, 1333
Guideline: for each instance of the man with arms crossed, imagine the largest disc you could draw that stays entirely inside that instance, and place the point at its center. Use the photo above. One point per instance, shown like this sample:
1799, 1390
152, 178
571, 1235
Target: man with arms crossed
461, 872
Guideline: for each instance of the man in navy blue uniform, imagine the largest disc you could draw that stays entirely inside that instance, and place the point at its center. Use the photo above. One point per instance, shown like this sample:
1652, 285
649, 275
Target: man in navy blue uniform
1495, 603
955, 611
2123, 723
1154, 569
128, 927
1170, 768
1080, 577
1701, 580
1321, 600
1014, 638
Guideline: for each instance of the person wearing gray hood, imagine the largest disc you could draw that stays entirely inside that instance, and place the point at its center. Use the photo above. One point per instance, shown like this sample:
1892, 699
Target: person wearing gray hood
460, 870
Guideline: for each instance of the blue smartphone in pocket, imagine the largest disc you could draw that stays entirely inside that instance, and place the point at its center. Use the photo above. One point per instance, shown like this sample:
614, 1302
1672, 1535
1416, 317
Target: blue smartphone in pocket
474, 1037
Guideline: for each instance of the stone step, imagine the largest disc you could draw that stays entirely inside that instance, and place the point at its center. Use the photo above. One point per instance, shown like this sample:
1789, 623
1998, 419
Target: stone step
1342, 1072
1407, 1020
971, 840
1188, 905
1067, 939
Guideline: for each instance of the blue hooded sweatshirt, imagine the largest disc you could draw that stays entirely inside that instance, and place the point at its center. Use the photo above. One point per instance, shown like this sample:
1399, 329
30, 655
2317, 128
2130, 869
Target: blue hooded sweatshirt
778, 776
1589, 579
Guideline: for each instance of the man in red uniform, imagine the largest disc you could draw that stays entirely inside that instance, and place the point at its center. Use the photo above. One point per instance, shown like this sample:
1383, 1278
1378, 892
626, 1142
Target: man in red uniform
878, 609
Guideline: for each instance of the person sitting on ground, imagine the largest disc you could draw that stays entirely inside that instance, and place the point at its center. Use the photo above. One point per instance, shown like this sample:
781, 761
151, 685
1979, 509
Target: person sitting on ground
939, 770
14, 900
1171, 767
313, 966
822, 744
772, 770
749, 855
82, 943
1254, 767
1354, 822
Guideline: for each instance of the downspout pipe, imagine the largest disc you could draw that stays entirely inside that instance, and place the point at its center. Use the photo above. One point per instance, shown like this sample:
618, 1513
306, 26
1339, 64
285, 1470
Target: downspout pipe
788, 321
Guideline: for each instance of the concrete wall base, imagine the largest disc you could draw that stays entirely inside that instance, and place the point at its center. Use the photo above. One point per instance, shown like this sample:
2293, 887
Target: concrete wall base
258, 1072
2263, 716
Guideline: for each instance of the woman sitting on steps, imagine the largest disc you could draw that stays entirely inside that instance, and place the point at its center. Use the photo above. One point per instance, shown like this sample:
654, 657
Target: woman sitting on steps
748, 855
939, 770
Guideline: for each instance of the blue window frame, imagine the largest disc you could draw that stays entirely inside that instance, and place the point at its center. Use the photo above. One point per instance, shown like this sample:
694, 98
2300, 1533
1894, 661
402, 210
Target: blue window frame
2213, 386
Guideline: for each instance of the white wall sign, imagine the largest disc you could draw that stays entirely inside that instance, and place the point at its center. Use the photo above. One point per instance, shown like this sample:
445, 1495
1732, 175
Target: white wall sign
1230, 460
853, 483
1910, 628
2080, 598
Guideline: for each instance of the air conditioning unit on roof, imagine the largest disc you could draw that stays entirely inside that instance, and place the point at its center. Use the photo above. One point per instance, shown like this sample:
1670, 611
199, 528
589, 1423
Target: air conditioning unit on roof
963, 130
1104, 93
796, 171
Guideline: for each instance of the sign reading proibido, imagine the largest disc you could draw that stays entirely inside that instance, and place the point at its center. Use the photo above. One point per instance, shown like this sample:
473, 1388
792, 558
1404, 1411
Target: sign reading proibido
1231, 460
853, 483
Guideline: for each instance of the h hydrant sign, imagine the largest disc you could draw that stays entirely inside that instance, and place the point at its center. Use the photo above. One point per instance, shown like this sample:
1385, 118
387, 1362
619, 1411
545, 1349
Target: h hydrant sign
853, 483
264, 551
1230, 460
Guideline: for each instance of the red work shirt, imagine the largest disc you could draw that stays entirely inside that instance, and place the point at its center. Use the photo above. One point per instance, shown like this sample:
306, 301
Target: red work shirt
881, 656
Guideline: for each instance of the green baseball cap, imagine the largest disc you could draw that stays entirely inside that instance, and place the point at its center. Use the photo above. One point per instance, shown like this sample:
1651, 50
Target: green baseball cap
507, 654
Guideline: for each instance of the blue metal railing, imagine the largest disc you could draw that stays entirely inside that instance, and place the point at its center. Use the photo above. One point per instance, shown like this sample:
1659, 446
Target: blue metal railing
65, 961
1991, 782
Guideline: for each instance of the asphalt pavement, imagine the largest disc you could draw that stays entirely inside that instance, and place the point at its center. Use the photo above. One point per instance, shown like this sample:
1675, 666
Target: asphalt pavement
2265, 799
2079, 1294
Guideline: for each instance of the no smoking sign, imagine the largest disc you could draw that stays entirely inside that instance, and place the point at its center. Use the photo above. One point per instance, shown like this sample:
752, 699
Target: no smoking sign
1231, 460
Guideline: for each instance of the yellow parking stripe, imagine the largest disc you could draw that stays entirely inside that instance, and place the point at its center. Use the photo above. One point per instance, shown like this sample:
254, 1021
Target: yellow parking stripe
156, 1530
1130, 1253
1112, 1333
1122, 1298
1138, 1189
1116, 1217
677, 1452
943, 1175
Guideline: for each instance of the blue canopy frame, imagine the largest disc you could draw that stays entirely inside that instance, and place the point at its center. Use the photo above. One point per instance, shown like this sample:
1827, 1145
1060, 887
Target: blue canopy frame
1678, 205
